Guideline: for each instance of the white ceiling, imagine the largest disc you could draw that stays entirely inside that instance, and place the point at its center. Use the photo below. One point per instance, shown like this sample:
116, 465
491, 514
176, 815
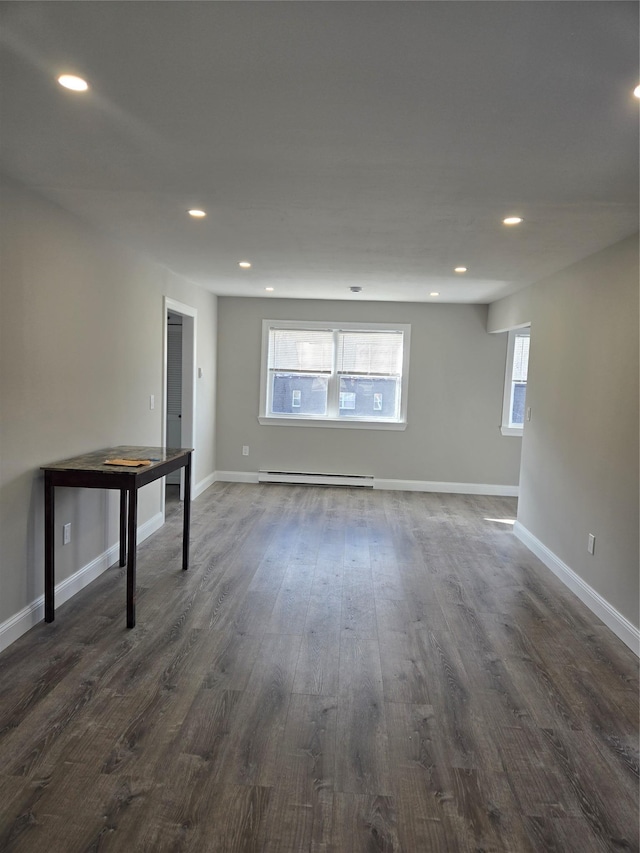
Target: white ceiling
333, 144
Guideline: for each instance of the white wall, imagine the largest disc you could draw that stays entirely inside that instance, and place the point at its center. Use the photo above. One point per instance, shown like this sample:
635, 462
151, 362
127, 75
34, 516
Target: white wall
455, 398
80, 352
580, 451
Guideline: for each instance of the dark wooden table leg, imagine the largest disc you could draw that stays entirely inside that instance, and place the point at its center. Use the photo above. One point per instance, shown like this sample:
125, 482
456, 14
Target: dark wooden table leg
186, 514
131, 556
123, 527
49, 569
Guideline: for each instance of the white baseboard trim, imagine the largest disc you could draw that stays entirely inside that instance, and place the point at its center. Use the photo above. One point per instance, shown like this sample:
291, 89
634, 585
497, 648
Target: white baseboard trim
149, 527
203, 485
396, 485
449, 488
236, 477
18, 624
619, 624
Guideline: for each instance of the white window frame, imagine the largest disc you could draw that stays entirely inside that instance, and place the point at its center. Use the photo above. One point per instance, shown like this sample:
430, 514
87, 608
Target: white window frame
344, 396
506, 427
341, 422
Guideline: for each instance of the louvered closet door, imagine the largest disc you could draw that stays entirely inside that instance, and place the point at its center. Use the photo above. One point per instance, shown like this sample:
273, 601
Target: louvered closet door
174, 393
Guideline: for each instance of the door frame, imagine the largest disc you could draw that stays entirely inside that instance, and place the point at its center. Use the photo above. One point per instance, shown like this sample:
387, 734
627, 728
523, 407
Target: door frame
189, 316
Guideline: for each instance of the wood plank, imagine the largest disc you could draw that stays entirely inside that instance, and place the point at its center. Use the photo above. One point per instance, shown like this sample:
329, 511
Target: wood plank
606, 817
404, 674
316, 670
422, 779
300, 808
392, 614
362, 759
364, 823
229, 659
290, 607
486, 825
205, 730
257, 728
450, 697
358, 612
232, 815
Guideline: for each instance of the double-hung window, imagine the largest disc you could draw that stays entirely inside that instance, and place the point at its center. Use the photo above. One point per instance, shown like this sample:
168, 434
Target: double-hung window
515, 384
329, 374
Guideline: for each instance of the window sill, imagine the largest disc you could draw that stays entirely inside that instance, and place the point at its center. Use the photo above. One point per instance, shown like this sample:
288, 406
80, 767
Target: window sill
505, 430
339, 423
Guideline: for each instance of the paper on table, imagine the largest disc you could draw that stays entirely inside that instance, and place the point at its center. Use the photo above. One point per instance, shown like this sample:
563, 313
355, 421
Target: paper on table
129, 463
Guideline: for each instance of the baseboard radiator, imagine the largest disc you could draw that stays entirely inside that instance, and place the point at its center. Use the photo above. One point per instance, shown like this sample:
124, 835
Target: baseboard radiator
362, 481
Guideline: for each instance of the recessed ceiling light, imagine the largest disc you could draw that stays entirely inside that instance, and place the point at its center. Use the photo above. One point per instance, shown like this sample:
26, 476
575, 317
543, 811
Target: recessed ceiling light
270, 289
70, 81
197, 214
460, 269
636, 91
512, 220
434, 293
355, 289
245, 265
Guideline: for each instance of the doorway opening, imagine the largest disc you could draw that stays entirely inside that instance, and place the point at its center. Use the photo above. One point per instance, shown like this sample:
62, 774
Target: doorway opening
178, 422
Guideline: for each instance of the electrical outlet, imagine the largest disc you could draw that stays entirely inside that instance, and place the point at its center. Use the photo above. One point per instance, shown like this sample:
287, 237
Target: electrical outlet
245, 449
591, 544
66, 534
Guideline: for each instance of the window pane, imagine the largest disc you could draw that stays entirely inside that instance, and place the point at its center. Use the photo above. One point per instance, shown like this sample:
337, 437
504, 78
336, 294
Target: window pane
519, 394
300, 349
372, 397
302, 394
370, 353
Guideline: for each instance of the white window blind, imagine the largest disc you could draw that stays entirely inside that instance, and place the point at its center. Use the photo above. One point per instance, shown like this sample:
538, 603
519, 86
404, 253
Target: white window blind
301, 350
521, 357
370, 353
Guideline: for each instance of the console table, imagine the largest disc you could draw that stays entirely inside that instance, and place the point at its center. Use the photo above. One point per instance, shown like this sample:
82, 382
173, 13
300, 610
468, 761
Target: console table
89, 471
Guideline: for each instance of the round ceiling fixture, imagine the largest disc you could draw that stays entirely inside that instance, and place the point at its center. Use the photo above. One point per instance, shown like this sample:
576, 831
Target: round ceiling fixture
355, 289
70, 81
460, 269
512, 220
636, 91
197, 214
435, 293
245, 265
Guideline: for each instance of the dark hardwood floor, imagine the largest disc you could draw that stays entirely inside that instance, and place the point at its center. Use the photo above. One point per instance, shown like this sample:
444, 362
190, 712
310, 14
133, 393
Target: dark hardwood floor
339, 670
